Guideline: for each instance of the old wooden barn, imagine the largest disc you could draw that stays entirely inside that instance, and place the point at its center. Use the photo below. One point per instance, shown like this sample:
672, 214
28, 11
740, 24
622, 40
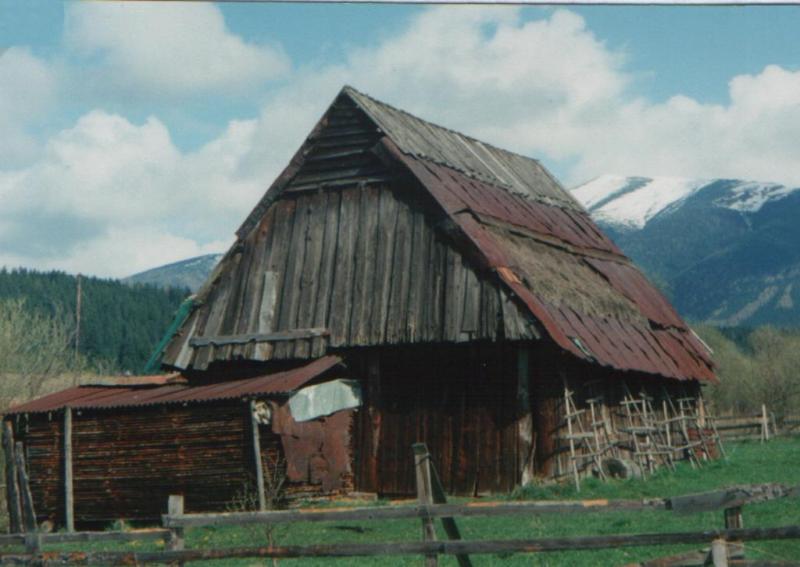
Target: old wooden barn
398, 282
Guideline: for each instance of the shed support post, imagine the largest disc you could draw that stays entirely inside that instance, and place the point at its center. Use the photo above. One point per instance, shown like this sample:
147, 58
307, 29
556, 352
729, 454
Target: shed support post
262, 497
25, 489
525, 434
12, 487
422, 465
69, 505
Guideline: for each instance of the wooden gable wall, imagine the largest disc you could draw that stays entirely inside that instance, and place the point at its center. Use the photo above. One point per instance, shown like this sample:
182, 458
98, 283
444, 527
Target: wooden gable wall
353, 250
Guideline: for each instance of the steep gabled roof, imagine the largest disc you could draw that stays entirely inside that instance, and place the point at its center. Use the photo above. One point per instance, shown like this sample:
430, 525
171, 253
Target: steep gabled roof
515, 220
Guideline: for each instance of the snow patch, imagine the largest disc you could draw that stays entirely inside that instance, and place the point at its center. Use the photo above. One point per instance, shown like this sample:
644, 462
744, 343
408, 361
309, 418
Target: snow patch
635, 208
750, 196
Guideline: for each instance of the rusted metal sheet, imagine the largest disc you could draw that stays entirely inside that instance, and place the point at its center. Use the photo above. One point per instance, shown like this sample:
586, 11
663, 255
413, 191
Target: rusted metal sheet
96, 397
317, 451
632, 284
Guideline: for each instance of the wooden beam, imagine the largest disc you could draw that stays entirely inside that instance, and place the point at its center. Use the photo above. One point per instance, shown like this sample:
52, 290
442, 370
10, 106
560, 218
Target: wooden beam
12, 486
448, 523
422, 465
292, 335
29, 513
69, 502
412, 547
256, 438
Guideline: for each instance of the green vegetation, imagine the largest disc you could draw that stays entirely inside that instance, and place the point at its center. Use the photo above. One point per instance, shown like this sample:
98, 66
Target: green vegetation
748, 463
754, 368
120, 324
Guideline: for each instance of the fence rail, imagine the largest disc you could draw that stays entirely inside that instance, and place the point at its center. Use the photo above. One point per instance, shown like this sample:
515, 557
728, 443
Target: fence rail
431, 505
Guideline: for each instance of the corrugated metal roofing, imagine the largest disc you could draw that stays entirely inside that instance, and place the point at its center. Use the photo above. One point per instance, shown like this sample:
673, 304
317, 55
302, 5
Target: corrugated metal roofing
104, 397
477, 159
604, 309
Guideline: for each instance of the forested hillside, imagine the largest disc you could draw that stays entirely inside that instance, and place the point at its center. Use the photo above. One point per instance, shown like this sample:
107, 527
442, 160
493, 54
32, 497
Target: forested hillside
120, 323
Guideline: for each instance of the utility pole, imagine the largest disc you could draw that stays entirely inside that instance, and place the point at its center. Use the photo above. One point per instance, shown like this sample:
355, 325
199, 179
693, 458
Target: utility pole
78, 317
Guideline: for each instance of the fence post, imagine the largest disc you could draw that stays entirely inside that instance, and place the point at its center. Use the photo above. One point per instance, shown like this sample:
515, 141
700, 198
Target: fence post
764, 424
422, 465
719, 553
175, 508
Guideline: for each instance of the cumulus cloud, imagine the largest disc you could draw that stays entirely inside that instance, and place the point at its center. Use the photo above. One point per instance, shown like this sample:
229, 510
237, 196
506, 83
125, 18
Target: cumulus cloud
172, 48
551, 89
27, 92
113, 196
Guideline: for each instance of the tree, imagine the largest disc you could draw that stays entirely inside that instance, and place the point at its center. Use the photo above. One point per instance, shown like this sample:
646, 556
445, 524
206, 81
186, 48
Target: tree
33, 348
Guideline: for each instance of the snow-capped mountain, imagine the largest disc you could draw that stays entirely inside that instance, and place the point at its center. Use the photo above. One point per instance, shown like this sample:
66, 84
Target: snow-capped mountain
727, 251
631, 202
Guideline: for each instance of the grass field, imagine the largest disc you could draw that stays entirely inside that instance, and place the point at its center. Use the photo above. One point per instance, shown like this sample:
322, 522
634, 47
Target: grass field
778, 461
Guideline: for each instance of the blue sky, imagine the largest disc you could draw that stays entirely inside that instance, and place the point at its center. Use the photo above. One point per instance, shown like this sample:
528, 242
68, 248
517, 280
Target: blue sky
134, 135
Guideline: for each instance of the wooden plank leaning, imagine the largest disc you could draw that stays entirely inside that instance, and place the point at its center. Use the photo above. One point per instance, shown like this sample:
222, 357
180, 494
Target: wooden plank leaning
12, 486
29, 514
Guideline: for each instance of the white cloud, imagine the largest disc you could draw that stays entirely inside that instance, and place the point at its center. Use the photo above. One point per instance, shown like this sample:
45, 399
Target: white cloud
551, 90
112, 198
27, 92
171, 48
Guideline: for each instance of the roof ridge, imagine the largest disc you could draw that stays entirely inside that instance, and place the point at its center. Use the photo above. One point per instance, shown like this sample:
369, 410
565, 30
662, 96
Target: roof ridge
348, 89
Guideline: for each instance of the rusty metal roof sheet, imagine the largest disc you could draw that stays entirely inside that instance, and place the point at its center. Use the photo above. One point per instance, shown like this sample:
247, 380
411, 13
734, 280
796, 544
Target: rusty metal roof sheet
614, 316
472, 157
104, 397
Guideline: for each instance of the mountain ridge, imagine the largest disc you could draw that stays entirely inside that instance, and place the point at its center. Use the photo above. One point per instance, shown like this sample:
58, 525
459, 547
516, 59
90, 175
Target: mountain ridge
724, 250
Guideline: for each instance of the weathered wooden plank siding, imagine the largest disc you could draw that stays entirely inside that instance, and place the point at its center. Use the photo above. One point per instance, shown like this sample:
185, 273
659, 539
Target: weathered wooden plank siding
366, 263
459, 399
348, 250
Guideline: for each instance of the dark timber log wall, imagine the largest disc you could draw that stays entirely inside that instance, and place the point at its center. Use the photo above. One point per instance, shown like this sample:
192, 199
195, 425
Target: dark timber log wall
127, 461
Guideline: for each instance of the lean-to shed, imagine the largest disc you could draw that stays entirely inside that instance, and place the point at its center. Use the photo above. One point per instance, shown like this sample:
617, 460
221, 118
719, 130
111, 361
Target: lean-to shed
469, 296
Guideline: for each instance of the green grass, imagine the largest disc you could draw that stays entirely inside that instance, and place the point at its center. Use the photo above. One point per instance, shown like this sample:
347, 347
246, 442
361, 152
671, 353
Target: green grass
747, 463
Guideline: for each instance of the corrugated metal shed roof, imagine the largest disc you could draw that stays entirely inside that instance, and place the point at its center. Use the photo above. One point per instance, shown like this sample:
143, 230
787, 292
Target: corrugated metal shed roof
104, 397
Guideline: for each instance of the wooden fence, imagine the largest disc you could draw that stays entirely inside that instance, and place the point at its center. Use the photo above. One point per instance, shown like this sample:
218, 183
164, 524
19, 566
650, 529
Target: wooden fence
431, 506
763, 426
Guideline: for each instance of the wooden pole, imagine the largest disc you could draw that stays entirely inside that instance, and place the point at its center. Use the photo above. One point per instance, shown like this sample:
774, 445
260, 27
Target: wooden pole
69, 503
764, 424
719, 553
448, 523
12, 487
175, 508
78, 298
422, 465
733, 518
262, 497
25, 489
